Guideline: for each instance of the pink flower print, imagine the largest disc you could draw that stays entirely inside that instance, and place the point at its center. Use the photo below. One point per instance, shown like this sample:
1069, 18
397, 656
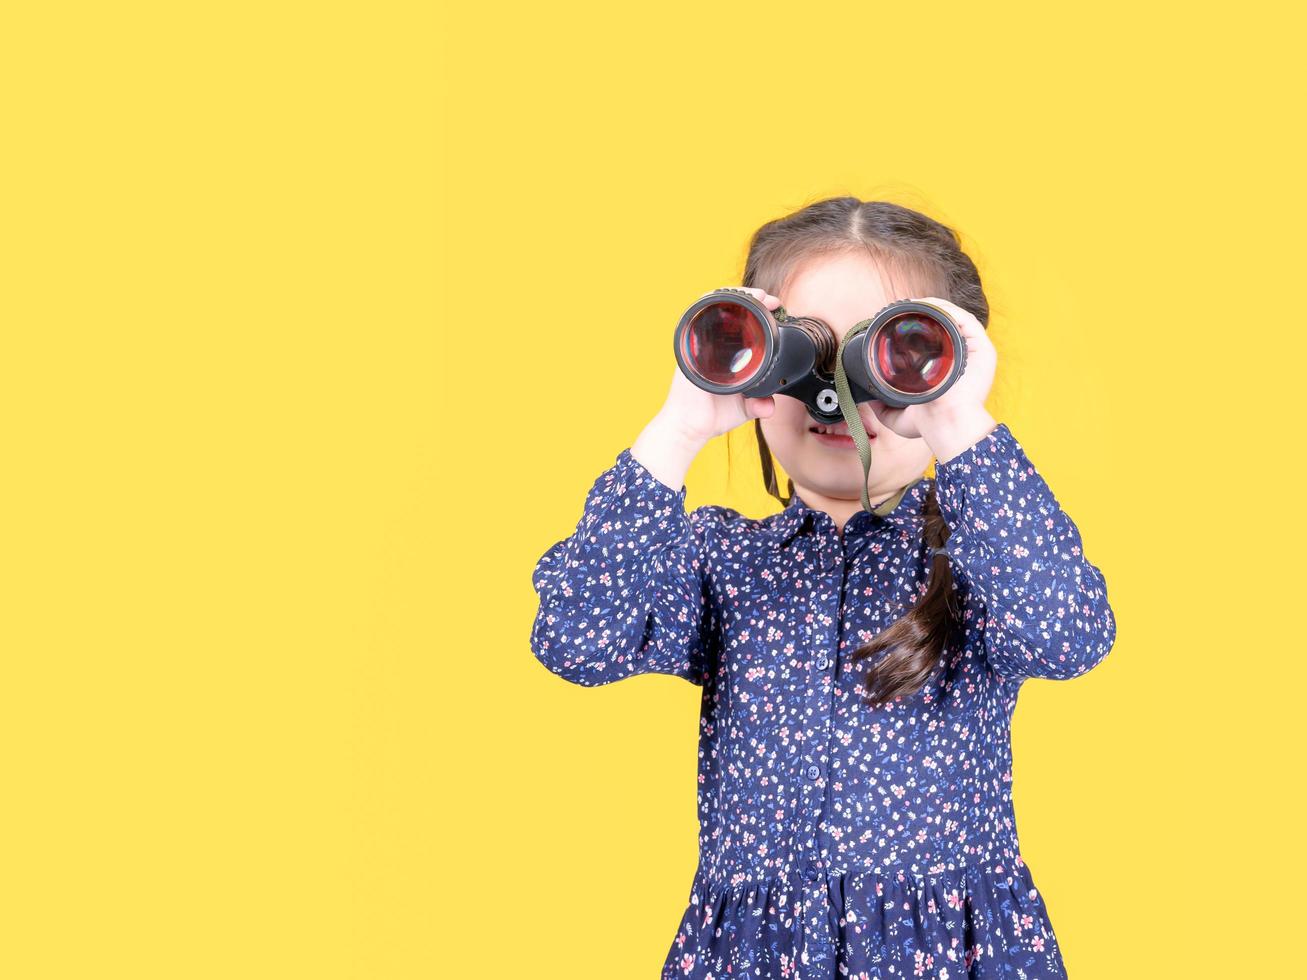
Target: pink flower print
687, 962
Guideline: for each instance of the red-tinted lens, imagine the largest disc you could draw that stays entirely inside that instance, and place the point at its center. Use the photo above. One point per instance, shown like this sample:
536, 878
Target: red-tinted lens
912, 353
725, 343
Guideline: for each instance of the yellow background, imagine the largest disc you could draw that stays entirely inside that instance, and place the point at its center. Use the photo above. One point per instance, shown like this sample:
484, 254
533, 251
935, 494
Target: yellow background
320, 319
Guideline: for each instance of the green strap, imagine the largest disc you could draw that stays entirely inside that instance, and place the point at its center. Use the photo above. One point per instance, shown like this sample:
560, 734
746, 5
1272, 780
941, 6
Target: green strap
850, 409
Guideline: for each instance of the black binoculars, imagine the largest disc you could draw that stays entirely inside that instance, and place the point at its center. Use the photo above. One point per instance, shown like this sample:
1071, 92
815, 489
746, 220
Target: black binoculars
728, 342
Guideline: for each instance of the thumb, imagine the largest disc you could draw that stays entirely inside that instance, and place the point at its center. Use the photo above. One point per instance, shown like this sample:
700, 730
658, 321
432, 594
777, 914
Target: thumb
759, 408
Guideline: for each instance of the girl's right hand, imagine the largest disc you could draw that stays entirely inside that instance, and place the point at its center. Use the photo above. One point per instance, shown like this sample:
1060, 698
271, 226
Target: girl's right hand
701, 415
690, 418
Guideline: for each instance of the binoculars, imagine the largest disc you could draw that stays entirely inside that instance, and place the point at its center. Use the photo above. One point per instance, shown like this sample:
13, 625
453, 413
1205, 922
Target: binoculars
910, 352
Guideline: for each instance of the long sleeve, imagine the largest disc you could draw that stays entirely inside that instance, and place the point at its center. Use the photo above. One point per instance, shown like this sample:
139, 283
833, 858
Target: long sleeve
625, 593
1046, 608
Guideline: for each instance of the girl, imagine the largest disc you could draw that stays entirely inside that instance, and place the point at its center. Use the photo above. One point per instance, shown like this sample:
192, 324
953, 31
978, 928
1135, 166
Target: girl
859, 667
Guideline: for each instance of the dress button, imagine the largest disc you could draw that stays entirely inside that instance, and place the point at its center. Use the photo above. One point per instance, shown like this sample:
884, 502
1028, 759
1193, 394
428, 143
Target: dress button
814, 772
823, 662
810, 872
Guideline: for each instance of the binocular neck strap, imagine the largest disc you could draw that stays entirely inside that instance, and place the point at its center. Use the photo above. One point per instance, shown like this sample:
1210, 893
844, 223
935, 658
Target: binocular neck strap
850, 409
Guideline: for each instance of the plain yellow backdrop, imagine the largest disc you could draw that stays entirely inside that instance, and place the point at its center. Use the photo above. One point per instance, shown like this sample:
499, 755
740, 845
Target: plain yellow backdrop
320, 319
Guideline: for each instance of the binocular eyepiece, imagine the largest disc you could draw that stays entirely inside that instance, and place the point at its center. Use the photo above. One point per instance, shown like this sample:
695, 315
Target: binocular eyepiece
728, 342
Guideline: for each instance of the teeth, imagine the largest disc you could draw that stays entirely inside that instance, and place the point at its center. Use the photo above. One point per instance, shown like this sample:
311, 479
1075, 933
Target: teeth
831, 430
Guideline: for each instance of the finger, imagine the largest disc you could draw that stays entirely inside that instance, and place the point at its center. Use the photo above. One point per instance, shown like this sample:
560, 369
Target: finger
965, 319
885, 414
759, 408
768, 300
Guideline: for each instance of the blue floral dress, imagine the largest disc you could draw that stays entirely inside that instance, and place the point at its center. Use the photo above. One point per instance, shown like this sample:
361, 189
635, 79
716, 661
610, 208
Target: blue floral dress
838, 840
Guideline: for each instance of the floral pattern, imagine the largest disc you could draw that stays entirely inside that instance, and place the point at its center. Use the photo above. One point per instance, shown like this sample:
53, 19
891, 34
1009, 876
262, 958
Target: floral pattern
838, 840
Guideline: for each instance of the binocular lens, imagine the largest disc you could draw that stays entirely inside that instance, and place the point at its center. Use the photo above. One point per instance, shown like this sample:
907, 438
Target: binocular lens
912, 353
725, 343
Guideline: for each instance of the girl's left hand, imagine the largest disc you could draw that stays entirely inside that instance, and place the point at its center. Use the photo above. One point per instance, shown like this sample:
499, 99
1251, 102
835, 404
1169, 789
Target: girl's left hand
968, 394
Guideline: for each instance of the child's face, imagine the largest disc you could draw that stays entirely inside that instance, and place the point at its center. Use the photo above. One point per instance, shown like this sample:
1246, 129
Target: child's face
841, 290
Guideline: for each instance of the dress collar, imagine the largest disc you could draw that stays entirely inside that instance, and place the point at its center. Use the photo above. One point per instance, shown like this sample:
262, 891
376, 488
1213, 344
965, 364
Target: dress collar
798, 516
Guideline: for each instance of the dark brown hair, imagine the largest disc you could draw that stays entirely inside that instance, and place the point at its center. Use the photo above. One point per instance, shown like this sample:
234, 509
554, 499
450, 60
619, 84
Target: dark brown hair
904, 243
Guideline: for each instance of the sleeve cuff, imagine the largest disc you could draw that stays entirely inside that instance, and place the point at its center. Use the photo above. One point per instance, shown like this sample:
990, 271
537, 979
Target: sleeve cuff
627, 501
967, 486
632, 475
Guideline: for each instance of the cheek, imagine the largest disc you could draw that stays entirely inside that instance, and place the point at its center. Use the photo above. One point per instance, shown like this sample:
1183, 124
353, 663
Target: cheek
789, 422
790, 413
787, 435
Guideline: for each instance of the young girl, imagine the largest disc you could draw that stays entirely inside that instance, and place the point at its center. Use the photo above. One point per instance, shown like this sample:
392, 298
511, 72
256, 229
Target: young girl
859, 667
